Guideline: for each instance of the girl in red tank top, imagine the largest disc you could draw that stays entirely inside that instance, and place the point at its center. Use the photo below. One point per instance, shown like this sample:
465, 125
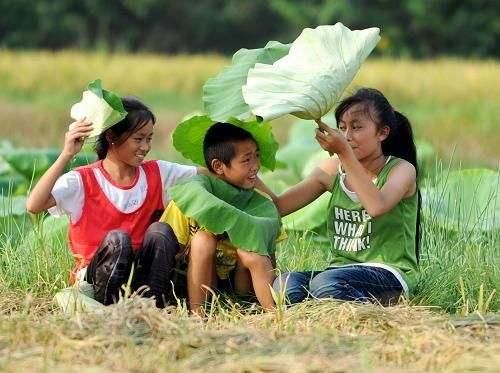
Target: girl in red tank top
114, 205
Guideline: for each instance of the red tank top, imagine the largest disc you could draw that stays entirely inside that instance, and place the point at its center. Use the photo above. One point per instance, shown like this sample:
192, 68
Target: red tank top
99, 215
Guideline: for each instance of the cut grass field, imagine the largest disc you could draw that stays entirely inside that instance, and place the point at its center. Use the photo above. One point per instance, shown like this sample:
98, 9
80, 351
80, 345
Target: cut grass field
316, 336
452, 322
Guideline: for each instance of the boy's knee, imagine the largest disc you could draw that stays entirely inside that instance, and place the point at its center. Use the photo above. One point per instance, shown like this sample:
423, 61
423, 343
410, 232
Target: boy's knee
254, 260
203, 245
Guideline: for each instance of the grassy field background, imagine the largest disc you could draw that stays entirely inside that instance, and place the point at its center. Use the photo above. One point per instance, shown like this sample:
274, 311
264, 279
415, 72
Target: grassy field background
452, 104
452, 323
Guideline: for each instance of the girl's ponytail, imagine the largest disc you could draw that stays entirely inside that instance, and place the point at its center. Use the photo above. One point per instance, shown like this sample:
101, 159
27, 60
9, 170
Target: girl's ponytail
400, 142
402, 145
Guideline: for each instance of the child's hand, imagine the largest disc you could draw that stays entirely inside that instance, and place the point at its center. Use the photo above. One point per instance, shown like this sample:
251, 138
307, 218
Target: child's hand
330, 139
77, 133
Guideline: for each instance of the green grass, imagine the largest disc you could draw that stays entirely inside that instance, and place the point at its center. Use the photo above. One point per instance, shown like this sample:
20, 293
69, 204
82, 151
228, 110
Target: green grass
451, 323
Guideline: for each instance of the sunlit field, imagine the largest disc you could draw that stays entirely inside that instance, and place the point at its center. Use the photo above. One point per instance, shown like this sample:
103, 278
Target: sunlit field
450, 323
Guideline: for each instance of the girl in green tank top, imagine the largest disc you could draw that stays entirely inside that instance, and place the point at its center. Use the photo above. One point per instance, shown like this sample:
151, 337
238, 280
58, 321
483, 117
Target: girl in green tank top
374, 210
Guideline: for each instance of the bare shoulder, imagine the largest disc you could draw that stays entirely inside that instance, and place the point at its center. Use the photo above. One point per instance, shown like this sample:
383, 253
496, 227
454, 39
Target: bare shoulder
404, 174
403, 167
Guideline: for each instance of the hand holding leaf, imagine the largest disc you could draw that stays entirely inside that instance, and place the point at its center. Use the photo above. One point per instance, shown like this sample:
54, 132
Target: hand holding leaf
75, 137
330, 139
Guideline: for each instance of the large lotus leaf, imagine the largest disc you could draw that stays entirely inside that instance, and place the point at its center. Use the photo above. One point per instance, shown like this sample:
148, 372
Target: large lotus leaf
53, 232
279, 180
310, 217
13, 185
222, 97
311, 78
313, 161
32, 163
103, 108
189, 135
426, 158
12, 206
466, 200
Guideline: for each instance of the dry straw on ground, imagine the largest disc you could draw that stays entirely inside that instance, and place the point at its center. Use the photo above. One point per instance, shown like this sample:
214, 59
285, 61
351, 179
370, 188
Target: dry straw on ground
327, 336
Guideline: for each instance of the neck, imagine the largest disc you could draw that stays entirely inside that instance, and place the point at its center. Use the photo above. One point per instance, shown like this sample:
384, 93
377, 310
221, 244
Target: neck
374, 164
119, 172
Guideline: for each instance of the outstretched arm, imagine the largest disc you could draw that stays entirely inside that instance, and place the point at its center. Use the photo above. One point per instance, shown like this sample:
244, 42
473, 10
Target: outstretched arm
306, 191
40, 197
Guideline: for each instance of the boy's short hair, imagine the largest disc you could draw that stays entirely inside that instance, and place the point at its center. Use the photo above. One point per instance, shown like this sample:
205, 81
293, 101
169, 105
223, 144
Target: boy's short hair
219, 142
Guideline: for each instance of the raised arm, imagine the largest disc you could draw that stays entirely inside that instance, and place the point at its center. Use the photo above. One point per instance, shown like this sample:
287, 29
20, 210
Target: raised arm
401, 180
40, 198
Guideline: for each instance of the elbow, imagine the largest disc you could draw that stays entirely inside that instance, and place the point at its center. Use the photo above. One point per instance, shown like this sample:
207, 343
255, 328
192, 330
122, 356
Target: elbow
376, 212
32, 208
281, 209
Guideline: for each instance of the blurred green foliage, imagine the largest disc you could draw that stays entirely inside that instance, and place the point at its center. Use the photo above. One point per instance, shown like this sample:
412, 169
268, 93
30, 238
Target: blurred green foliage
411, 28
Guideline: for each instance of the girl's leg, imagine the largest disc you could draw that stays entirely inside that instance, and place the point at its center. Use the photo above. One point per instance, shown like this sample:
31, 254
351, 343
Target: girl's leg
295, 285
110, 266
201, 268
262, 274
154, 263
357, 283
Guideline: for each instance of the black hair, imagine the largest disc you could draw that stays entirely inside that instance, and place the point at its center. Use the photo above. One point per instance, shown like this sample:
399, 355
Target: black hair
219, 142
138, 115
399, 142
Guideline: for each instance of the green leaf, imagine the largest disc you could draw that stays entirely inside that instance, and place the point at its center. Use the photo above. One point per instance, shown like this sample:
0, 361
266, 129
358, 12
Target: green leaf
103, 108
311, 78
222, 97
13, 184
96, 87
189, 135
466, 200
250, 219
53, 231
12, 206
32, 163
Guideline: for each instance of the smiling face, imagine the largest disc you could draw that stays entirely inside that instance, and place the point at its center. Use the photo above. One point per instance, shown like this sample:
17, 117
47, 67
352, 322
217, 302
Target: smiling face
361, 132
133, 150
244, 165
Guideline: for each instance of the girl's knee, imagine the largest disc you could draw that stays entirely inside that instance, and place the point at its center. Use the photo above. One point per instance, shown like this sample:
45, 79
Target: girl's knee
280, 282
117, 236
116, 240
330, 284
160, 228
160, 232
293, 285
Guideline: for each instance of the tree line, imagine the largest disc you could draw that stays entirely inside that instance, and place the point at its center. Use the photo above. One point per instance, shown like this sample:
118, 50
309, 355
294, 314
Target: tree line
411, 28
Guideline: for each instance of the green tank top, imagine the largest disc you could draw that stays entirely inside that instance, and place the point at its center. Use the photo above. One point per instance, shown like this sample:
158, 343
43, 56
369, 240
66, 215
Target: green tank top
358, 238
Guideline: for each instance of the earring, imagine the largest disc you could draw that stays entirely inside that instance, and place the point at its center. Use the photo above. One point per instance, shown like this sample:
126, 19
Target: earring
112, 143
